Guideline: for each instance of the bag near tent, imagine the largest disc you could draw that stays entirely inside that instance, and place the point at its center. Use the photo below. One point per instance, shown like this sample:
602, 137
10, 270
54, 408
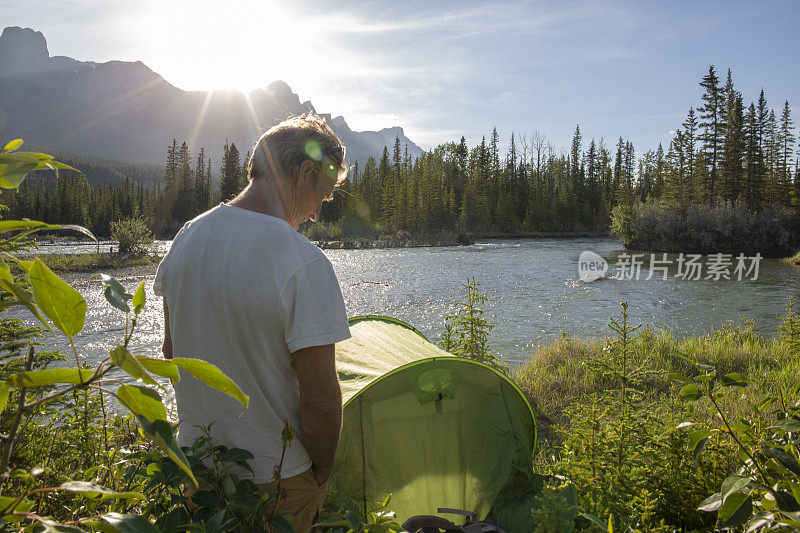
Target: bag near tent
433, 430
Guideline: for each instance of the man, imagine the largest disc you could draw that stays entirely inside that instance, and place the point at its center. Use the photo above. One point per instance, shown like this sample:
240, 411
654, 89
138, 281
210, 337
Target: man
245, 291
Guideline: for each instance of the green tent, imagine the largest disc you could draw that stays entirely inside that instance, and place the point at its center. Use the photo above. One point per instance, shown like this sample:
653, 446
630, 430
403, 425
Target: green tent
431, 429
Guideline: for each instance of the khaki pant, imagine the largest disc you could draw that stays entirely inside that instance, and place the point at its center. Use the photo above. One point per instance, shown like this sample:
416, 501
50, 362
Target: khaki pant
304, 499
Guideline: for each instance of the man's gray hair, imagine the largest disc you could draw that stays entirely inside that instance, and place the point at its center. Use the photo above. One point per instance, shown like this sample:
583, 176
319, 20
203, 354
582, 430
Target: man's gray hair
285, 146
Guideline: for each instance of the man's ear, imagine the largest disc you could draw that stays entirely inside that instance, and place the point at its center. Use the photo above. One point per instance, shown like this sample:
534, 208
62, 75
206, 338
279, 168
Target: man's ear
305, 172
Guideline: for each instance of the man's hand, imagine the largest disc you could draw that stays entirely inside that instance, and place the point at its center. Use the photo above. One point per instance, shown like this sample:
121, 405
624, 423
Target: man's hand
320, 406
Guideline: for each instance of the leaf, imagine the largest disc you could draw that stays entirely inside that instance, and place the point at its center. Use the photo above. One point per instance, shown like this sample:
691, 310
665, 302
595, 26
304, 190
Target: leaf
675, 376
24, 299
759, 521
207, 498
785, 501
767, 403
684, 425
51, 527
12, 173
4, 390
138, 299
735, 511
125, 523
236, 454
5, 272
115, 293
229, 486
712, 503
795, 487
57, 299
161, 367
733, 380
353, 520
15, 225
121, 357
733, 484
697, 440
283, 524
785, 458
213, 377
6, 503
690, 393
602, 525
142, 401
13, 145
78, 228
162, 436
788, 425
97, 492
50, 376
332, 522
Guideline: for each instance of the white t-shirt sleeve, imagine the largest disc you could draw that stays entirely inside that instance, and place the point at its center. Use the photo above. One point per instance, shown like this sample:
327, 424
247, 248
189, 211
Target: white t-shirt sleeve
313, 308
158, 283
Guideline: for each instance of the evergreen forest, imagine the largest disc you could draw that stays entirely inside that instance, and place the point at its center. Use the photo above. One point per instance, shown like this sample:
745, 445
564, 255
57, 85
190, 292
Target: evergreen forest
727, 153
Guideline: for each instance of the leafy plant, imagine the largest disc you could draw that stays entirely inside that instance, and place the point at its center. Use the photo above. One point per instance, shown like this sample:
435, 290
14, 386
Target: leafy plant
382, 520
133, 236
466, 332
34, 389
789, 327
225, 499
764, 493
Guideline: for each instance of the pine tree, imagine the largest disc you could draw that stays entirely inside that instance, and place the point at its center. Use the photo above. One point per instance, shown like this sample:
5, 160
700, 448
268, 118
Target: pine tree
690, 139
229, 172
387, 190
734, 147
754, 161
786, 139
171, 167
200, 195
712, 122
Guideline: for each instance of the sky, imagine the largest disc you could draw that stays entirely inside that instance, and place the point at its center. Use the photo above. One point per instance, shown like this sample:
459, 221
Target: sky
443, 69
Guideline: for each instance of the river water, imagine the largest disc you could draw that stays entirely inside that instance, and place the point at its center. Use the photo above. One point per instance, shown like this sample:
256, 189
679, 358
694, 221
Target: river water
532, 287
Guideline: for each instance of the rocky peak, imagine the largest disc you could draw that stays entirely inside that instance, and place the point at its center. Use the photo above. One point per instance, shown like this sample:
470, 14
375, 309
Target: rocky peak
22, 51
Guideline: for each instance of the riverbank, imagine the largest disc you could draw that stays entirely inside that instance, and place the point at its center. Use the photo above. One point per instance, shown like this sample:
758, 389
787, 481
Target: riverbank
94, 262
404, 240
794, 260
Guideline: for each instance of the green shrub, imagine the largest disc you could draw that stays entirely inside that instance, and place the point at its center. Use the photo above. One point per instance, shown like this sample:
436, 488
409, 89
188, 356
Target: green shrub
724, 228
133, 236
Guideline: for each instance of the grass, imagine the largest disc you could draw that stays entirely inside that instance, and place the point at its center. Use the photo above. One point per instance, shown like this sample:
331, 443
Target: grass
560, 374
586, 439
93, 262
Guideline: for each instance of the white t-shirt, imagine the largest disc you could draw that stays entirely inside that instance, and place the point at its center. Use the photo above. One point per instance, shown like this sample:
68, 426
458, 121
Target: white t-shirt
244, 291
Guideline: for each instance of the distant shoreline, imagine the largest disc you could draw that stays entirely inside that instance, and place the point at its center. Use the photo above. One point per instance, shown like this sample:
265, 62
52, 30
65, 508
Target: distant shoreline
93, 262
390, 241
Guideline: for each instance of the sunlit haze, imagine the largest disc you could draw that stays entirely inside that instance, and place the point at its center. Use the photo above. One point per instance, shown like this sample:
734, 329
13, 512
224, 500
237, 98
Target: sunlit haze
446, 69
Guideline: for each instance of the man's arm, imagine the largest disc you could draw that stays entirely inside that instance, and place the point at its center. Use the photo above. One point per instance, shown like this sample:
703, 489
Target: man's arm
166, 347
320, 406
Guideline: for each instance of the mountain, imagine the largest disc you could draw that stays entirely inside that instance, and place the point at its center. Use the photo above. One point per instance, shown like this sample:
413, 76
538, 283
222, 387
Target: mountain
124, 110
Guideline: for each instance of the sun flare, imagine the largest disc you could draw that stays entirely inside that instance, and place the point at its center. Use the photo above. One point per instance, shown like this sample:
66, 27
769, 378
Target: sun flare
236, 44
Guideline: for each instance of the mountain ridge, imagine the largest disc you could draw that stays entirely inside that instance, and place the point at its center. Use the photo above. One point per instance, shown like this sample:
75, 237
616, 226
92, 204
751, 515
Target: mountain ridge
125, 110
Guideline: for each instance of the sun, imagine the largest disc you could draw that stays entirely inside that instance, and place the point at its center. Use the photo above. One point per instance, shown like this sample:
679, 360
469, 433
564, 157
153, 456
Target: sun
207, 44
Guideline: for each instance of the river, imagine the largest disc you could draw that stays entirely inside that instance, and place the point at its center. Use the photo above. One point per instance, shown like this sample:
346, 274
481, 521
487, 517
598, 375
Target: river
533, 289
